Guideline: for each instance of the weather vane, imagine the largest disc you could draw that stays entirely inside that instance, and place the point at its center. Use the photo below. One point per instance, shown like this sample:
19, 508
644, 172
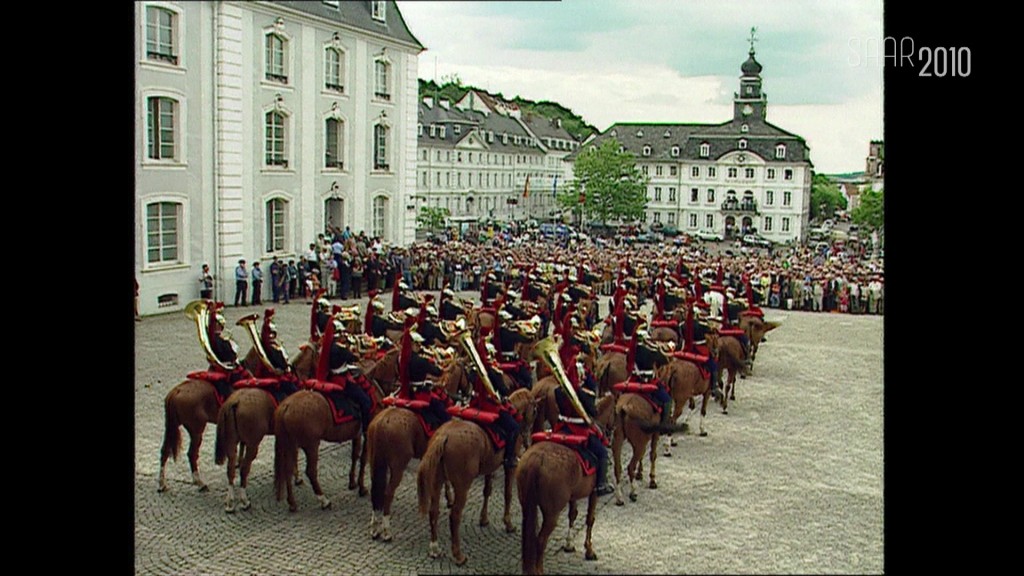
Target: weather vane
753, 39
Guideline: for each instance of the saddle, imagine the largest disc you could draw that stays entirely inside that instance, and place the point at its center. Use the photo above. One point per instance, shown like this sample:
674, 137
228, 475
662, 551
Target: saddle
735, 332
484, 418
221, 382
642, 389
577, 442
699, 359
342, 409
621, 348
271, 386
416, 406
665, 324
755, 311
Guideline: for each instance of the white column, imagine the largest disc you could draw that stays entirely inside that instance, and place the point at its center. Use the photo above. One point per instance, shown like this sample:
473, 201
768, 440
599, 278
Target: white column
308, 116
360, 214
408, 165
228, 63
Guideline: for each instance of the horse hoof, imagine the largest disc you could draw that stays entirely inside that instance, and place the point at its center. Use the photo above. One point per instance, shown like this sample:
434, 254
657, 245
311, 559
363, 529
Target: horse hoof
590, 555
632, 497
293, 509
230, 509
703, 434
725, 412
326, 505
653, 485
363, 491
460, 560
162, 489
619, 502
666, 454
485, 522
568, 549
639, 476
352, 485
510, 528
298, 481
204, 488
246, 506
387, 537
672, 442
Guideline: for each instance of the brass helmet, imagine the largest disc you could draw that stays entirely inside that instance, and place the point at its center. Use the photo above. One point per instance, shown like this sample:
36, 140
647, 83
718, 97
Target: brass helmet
324, 305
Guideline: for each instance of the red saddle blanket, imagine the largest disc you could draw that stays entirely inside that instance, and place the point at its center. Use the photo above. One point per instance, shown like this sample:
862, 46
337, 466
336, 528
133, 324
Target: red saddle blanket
699, 359
221, 382
268, 385
665, 324
484, 418
731, 332
486, 310
753, 312
341, 408
415, 406
642, 389
574, 441
508, 366
614, 348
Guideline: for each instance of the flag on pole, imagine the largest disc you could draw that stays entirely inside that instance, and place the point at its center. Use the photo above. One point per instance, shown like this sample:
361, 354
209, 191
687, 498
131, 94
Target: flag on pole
526, 187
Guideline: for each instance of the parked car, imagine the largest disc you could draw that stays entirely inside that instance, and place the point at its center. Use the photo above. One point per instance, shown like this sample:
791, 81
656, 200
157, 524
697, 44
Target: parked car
670, 230
709, 235
648, 238
755, 240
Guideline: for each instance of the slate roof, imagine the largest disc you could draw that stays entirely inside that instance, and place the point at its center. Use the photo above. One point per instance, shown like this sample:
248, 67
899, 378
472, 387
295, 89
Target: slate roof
468, 119
357, 14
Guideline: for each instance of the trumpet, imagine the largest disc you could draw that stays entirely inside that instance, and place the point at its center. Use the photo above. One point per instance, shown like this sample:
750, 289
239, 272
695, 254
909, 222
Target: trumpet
547, 352
199, 312
249, 322
477, 363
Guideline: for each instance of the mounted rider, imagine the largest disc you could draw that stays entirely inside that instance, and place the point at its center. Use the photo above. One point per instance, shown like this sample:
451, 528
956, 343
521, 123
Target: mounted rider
339, 365
413, 369
505, 339
449, 309
225, 350
508, 419
643, 359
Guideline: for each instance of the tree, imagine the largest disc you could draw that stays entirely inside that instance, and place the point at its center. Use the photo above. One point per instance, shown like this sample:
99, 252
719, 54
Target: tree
870, 213
432, 218
825, 197
608, 185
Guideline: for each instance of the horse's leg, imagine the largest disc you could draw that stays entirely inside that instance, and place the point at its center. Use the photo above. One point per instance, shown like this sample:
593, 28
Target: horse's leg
448, 498
704, 410
247, 459
654, 458
364, 452
397, 469
591, 516
546, 528
435, 512
574, 511
509, 526
455, 521
725, 390
195, 433
233, 457
617, 439
632, 469
488, 488
312, 460
732, 384
356, 450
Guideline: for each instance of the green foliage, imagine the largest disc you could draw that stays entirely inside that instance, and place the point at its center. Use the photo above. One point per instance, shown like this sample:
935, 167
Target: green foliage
870, 213
610, 184
432, 218
825, 192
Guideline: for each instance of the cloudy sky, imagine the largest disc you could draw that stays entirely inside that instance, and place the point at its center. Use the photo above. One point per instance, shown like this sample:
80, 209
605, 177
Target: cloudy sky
671, 61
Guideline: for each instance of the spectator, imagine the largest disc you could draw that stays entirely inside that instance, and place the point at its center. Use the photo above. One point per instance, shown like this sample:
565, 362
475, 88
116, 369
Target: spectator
206, 283
275, 280
357, 277
293, 278
257, 284
241, 284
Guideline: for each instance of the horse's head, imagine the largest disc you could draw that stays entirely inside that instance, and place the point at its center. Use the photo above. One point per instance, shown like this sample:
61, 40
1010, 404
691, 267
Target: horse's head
305, 361
252, 361
455, 381
605, 409
385, 371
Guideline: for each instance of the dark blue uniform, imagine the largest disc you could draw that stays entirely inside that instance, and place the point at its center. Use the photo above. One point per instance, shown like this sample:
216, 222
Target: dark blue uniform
340, 357
419, 368
509, 338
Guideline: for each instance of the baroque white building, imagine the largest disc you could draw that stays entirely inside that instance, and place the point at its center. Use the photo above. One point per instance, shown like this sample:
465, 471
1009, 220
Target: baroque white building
742, 175
257, 123
481, 158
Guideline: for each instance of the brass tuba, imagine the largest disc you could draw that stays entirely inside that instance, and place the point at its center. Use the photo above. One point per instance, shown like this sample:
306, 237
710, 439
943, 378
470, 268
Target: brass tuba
476, 362
547, 352
199, 312
249, 322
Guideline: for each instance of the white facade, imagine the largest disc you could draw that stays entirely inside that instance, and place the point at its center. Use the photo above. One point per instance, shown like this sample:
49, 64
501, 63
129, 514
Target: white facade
235, 104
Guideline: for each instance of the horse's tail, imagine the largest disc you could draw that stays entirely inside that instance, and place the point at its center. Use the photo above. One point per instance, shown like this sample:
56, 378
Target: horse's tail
285, 454
431, 474
172, 435
378, 469
528, 483
227, 430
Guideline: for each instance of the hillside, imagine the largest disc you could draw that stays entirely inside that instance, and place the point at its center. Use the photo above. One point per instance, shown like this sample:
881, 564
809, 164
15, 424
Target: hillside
455, 90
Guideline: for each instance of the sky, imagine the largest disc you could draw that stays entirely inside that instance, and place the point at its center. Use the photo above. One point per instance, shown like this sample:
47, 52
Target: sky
672, 61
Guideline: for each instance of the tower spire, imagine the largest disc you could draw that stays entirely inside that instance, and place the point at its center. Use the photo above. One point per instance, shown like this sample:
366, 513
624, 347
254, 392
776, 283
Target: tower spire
753, 38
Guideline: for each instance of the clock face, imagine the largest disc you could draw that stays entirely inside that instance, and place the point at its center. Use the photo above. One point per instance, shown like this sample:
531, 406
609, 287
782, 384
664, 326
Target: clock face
748, 110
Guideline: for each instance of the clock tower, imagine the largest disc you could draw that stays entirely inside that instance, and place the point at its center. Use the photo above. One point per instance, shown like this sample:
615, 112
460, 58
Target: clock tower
750, 104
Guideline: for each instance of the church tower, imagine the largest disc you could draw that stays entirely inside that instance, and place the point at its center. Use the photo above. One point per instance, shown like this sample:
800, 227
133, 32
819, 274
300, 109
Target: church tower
750, 103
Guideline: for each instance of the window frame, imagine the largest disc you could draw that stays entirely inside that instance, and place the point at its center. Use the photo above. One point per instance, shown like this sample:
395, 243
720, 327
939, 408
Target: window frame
379, 166
183, 225
180, 121
382, 231
705, 150
378, 11
378, 63
271, 225
780, 152
270, 75
273, 163
173, 58
339, 87
340, 139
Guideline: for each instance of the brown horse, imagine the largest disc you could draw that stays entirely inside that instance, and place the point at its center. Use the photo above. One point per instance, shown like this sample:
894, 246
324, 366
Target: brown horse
244, 419
384, 371
636, 421
549, 477
192, 404
395, 437
756, 328
686, 383
302, 421
610, 369
730, 359
459, 452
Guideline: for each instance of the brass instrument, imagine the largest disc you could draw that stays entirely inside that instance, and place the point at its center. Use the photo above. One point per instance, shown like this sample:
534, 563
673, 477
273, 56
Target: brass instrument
348, 313
547, 352
451, 328
198, 311
249, 322
527, 328
477, 363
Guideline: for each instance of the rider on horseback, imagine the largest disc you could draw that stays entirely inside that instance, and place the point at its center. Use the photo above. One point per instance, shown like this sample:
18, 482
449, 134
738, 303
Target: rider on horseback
587, 393
321, 315
344, 371
507, 422
379, 324
450, 310
413, 371
699, 344
288, 381
225, 349
644, 356
505, 340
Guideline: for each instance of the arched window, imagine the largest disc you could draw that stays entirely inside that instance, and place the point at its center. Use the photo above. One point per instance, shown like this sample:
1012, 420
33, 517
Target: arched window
163, 237
647, 150
275, 139
743, 144
334, 70
382, 72
277, 215
380, 148
380, 216
161, 35
276, 58
161, 128
334, 151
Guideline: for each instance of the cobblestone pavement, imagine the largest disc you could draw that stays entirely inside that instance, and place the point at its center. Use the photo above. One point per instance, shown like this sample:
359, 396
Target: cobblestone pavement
790, 481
